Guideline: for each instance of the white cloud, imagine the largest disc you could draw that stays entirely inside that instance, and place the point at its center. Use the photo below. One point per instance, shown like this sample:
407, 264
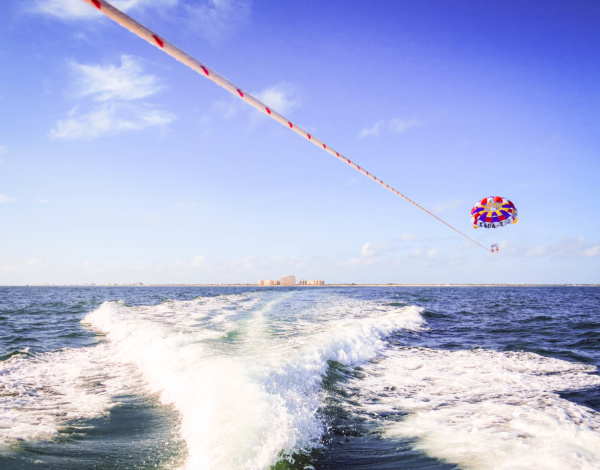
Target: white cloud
109, 118
448, 206
4, 199
107, 83
566, 247
282, 98
398, 126
42, 200
76, 9
371, 131
408, 237
3, 150
592, 251
197, 261
7, 268
370, 250
367, 251
394, 126
127, 5
369, 255
118, 89
429, 254
214, 19
537, 251
227, 108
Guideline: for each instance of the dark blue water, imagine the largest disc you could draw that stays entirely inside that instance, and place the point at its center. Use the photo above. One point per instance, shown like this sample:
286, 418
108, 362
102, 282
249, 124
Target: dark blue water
346, 377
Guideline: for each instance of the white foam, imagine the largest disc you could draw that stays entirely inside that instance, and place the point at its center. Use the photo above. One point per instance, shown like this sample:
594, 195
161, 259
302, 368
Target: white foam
39, 395
488, 410
246, 386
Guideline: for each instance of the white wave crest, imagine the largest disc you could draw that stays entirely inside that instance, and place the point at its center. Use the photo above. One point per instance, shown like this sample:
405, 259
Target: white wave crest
41, 394
486, 410
245, 379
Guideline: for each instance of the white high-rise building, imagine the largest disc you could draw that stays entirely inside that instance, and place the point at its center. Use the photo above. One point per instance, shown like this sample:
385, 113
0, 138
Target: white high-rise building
288, 280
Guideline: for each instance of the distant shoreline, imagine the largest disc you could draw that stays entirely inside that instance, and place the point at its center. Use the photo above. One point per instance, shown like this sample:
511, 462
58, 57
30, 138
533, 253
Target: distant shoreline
305, 286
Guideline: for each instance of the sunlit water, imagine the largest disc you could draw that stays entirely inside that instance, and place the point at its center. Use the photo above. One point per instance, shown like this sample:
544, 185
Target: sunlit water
300, 378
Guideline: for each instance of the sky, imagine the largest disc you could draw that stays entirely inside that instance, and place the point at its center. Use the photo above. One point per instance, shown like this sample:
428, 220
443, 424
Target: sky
119, 165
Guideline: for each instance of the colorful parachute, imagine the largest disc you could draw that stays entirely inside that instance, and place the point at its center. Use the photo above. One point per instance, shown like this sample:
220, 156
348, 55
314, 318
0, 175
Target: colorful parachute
493, 212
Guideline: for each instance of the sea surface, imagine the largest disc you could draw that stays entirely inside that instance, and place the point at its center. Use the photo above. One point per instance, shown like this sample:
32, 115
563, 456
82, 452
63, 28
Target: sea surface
300, 378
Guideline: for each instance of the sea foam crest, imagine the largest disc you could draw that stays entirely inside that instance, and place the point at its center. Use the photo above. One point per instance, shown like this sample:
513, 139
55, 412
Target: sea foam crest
41, 394
247, 391
487, 410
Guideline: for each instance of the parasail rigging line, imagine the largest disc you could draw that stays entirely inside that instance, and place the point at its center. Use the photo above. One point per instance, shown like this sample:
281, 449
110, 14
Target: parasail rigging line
149, 36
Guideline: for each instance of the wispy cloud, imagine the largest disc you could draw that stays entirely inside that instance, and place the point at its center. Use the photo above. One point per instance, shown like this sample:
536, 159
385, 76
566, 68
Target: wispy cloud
226, 108
65, 9
126, 82
566, 247
370, 254
406, 237
77, 10
111, 118
392, 126
370, 250
429, 254
398, 126
214, 19
448, 206
592, 251
4, 199
197, 261
282, 98
116, 92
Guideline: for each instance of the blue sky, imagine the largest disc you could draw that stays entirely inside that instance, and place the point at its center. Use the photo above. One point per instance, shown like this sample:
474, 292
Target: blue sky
118, 164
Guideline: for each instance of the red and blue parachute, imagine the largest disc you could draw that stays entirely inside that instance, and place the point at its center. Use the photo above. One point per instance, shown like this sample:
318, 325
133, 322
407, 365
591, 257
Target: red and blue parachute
493, 212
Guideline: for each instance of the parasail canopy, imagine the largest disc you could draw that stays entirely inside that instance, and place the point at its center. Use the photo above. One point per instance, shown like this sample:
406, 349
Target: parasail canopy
493, 212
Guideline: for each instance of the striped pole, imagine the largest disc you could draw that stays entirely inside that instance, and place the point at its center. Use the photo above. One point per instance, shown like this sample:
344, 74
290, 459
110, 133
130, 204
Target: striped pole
157, 41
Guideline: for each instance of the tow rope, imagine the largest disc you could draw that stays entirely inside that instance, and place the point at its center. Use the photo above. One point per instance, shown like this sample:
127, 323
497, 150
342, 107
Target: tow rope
156, 40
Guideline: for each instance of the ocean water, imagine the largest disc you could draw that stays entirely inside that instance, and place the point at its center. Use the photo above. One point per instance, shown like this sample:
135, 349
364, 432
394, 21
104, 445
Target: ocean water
300, 378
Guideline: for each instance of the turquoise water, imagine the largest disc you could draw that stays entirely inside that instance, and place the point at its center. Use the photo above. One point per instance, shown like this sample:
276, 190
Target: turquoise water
324, 378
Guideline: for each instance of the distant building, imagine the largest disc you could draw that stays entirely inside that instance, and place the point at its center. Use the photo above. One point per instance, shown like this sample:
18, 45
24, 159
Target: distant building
288, 280
304, 282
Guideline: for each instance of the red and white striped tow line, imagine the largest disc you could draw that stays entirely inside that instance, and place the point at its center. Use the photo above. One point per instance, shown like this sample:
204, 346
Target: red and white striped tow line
144, 33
